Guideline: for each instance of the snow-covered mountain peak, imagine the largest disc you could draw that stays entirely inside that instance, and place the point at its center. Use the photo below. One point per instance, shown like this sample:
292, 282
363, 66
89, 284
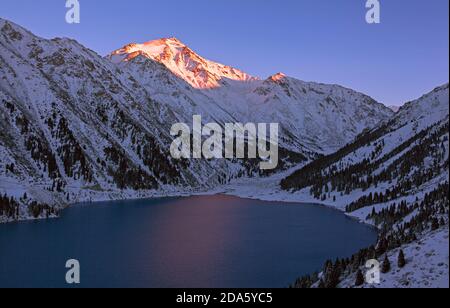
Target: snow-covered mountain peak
278, 77
183, 62
173, 40
432, 107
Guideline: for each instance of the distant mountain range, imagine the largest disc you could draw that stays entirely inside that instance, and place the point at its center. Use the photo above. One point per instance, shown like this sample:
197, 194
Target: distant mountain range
315, 118
75, 124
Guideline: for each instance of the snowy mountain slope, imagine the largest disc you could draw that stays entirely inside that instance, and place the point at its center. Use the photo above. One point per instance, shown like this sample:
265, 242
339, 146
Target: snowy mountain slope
76, 126
314, 118
395, 108
73, 122
320, 117
394, 177
430, 108
381, 145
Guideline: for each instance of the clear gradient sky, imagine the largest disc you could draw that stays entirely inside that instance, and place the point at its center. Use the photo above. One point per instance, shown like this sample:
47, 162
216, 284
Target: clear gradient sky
314, 40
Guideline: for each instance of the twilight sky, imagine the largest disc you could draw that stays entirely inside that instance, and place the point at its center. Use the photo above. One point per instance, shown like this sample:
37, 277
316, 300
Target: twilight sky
313, 40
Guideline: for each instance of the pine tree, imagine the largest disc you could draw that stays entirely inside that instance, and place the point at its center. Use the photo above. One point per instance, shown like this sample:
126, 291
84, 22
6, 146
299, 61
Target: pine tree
332, 277
435, 224
359, 279
401, 259
386, 267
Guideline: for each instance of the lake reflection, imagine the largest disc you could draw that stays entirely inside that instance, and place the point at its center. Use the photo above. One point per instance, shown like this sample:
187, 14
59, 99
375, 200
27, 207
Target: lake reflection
206, 241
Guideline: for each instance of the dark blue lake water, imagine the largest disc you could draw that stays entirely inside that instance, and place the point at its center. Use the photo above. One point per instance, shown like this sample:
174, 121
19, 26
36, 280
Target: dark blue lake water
211, 241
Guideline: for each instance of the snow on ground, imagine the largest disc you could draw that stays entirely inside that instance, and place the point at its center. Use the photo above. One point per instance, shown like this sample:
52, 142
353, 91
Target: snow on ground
427, 265
419, 194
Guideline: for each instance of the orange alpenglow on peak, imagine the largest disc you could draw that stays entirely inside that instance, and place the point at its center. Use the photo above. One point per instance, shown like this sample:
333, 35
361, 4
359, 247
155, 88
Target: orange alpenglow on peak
278, 77
173, 39
182, 61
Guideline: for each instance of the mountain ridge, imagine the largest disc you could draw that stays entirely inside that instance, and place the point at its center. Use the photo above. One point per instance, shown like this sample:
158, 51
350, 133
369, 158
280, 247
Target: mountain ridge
256, 100
86, 128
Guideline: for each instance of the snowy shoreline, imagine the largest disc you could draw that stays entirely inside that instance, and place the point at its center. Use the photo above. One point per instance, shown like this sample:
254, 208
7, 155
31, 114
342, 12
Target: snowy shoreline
243, 188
